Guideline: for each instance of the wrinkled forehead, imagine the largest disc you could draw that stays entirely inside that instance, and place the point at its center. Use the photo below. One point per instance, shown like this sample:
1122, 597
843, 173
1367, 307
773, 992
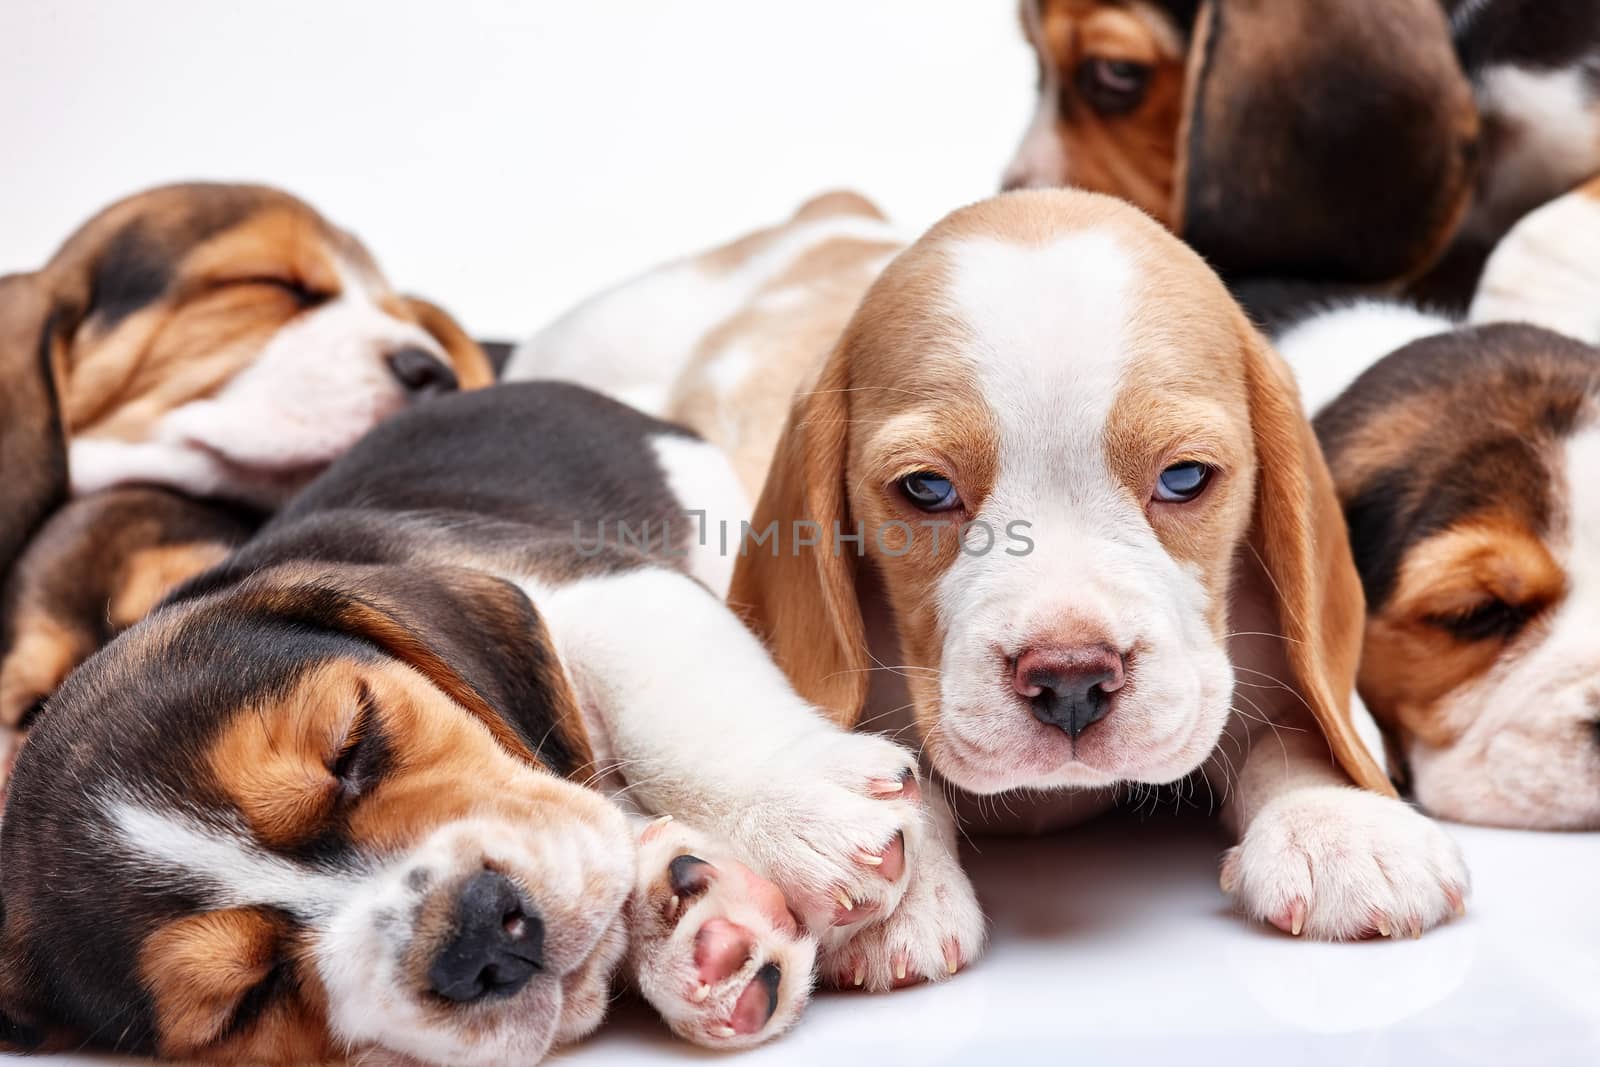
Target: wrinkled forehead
1046, 314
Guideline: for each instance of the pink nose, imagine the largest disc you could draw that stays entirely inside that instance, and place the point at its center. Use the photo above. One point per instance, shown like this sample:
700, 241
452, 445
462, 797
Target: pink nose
1070, 688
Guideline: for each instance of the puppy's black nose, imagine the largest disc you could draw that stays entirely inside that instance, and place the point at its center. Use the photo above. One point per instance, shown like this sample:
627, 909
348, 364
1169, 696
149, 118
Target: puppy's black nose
420, 371
496, 945
1071, 688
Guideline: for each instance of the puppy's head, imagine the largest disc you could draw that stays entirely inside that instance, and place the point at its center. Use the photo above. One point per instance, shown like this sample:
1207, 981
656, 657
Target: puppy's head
220, 339
1326, 139
1464, 463
1071, 462
314, 814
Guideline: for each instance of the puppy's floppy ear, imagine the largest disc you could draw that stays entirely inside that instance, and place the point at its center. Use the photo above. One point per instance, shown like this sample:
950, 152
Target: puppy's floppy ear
1327, 139
476, 637
471, 363
802, 600
1299, 536
33, 444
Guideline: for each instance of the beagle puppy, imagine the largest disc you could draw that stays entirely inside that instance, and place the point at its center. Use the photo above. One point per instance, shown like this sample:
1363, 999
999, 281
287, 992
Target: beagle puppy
1047, 509
1477, 537
362, 790
96, 567
221, 341
1237, 124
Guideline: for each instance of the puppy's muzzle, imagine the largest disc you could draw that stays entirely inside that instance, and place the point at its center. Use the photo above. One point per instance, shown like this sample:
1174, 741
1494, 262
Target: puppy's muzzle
422, 373
495, 946
1070, 688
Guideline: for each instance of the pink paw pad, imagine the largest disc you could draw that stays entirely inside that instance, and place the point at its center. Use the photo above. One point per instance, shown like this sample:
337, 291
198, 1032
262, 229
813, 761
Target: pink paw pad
721, 948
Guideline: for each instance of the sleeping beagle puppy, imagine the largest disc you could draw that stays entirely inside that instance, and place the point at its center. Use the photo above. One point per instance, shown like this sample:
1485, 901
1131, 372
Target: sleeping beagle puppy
1047, 508
1240, 124
1461, 453
97, 566
221, 341
361, 790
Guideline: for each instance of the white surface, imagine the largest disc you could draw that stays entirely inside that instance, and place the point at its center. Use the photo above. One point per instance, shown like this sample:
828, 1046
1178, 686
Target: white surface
507, 158
1112, 944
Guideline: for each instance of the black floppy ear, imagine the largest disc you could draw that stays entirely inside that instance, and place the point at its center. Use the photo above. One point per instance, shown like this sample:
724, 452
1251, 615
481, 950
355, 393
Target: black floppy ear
1325, 139
474, 636
33, 444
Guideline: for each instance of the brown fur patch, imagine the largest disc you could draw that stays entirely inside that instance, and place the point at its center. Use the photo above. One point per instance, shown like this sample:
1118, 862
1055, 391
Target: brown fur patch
41, 657
201, 968
151, 573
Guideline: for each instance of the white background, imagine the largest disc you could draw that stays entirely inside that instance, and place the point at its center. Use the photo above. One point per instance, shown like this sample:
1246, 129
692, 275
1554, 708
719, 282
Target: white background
508, 158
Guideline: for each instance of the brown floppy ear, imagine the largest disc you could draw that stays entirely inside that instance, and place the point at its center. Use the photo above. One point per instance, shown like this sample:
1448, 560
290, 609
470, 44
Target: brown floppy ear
33, 443
1325, 139
471, 363
476, 637
801, 600
1299, 537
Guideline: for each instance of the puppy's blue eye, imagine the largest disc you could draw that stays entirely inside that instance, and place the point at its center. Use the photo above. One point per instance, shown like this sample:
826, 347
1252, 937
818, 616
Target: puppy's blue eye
1182, 482
930, 491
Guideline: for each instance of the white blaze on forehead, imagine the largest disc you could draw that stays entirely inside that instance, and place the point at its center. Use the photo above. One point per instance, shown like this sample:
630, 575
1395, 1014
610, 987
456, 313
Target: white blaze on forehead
236, 873
1048, 347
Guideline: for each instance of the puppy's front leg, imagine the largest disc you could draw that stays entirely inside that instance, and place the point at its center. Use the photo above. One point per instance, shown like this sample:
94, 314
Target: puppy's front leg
1319, 856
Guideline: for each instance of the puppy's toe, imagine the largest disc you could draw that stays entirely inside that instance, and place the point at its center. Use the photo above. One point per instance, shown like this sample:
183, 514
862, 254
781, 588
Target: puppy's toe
713, 945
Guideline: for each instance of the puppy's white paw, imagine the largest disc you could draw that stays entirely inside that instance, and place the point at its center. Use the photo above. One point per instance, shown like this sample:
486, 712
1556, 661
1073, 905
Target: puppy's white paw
835, 819
1339, 863
712, 945
937, 929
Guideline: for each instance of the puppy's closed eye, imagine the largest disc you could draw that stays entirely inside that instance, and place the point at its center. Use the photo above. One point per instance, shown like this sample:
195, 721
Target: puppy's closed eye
1491, 620
361, 759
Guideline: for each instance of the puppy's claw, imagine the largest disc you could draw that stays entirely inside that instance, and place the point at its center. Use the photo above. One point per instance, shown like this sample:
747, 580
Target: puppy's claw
859, 979
723, 1031
952, 957
702, 991
1458, 903
1297, 917
844, 900
869, 859
1383, 926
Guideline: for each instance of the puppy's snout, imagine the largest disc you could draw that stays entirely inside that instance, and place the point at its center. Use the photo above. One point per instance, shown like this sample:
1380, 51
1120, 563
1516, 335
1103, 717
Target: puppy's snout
495, 946
421, 372
1070, 688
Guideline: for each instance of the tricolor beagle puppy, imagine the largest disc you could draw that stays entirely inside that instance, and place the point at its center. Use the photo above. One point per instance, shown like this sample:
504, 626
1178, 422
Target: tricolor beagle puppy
1047, 508
1463, 461
1322, 139
346, 794
221, 341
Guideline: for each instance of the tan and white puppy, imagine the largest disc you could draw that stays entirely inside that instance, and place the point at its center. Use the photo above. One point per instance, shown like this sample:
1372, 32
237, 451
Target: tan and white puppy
1476, 536
1048, 508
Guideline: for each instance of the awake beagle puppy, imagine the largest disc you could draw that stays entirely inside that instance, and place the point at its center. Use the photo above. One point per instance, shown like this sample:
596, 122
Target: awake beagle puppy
1046, 508
1463, 456
346, 794
1350, 140
224, 342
